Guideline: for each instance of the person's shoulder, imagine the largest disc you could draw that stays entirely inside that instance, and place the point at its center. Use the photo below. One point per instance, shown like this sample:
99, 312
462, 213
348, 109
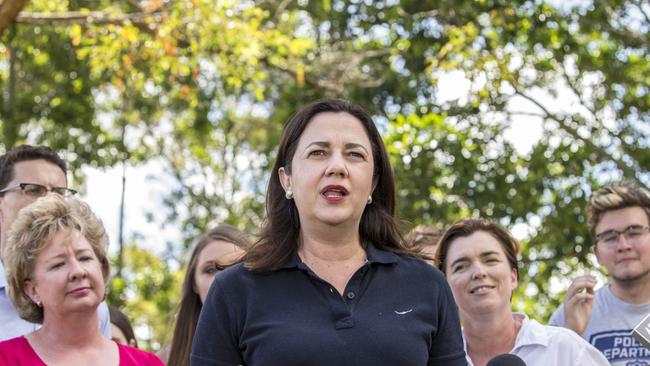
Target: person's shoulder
562, 335
234, 273
131, 356
419, 268
17, 351
14, 343
236, 279
571, 346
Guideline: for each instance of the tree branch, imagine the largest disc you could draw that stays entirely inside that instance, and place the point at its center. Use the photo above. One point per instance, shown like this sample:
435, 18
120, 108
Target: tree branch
87, 18
416, 16
628, 171
280, 9
9, 9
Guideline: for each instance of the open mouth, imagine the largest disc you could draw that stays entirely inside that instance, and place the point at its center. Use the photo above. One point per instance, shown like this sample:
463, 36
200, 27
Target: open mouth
334, 192
481, 289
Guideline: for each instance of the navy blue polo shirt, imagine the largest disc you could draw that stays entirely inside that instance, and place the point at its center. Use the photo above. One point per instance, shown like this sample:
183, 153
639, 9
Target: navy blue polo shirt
396, 310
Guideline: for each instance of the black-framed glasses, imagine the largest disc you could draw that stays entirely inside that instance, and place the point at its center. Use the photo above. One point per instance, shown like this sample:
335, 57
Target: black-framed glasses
38, 190
631, 233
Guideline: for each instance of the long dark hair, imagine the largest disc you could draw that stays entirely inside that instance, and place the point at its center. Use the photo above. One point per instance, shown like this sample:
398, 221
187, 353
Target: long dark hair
119, 319
190, 305
279, 236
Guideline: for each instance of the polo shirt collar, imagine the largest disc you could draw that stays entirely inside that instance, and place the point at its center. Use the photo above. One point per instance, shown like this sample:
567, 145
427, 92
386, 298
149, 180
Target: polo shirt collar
294, 261
375, 255
531, 333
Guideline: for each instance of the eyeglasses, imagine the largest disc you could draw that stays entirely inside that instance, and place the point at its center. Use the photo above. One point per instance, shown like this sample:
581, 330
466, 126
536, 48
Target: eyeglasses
632, 233
37, 190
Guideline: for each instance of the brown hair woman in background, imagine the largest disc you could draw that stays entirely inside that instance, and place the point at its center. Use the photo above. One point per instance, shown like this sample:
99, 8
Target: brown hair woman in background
219, 248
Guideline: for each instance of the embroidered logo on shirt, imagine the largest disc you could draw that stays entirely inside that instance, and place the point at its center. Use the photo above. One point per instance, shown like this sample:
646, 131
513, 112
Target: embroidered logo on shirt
403, 312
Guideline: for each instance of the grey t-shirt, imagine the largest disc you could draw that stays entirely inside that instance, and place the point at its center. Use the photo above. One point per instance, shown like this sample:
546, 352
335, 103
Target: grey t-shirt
610, 328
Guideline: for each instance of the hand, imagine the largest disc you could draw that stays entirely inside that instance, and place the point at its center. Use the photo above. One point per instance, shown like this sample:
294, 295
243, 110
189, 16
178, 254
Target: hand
578, 302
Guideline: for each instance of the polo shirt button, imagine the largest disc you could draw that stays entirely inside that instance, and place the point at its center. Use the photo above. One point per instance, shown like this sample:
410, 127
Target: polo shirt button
350, 295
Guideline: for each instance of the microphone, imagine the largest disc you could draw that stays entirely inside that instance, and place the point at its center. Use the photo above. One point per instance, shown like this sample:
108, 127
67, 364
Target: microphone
642, 332
506, 359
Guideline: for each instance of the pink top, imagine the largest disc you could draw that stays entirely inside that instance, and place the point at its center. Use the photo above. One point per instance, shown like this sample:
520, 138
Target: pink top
17, 351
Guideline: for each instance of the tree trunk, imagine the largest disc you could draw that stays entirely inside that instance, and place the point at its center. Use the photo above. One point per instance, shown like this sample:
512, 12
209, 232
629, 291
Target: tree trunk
9, 10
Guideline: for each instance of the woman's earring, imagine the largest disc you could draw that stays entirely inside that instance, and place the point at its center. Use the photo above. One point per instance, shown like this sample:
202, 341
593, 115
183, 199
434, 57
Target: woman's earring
370, 199
38, 303
288, 194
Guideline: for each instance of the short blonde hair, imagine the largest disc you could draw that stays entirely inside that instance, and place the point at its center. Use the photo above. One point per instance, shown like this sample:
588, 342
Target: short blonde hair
616, 196
32, 230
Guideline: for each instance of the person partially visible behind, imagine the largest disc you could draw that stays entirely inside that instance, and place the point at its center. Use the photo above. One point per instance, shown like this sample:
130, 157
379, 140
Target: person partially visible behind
121, 330
218, 249
479, 258
424, 238
27, 173
619, 223
57, 268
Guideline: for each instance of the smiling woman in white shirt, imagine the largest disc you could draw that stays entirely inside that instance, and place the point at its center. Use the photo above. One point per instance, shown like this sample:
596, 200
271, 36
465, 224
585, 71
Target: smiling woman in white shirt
479, 259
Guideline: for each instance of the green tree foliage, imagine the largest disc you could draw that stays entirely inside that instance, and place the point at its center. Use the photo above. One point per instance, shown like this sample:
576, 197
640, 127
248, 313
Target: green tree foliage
148, 293
577, 71
204, 86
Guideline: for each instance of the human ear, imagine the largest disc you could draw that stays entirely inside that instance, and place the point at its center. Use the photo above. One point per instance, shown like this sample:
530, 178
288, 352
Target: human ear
285, 178
515, 280
29, 287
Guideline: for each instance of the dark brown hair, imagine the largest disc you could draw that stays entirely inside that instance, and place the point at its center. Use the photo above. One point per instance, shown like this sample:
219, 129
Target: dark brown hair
121, 321
26, 153
467, 227
279, 237
616, 196
190, 305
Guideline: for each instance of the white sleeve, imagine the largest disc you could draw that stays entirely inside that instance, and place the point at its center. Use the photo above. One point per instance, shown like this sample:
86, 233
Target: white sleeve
104, 320
590, 356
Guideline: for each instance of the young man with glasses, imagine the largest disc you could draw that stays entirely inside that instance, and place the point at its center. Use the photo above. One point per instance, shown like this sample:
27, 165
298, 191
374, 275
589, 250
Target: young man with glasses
619, 222
27, 173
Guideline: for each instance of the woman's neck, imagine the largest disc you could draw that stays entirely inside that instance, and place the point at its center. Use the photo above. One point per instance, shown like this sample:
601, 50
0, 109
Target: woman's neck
334, 260
330, 242
330, 249
75, 330
488, 335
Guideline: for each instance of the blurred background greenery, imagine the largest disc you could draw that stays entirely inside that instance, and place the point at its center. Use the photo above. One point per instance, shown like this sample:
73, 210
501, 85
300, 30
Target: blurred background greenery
508, 110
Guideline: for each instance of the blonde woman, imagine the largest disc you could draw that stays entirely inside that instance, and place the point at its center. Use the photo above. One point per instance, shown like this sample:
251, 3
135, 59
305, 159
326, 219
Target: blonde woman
56, 269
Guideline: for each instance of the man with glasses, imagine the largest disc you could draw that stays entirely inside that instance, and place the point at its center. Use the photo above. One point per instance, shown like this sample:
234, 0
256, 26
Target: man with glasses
27, 173
619, 222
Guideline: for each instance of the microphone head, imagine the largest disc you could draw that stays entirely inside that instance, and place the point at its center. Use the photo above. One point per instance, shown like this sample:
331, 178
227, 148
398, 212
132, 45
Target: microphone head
506, 359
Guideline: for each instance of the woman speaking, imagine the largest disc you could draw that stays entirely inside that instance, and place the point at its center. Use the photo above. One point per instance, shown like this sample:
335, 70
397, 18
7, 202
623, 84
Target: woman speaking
330, 281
